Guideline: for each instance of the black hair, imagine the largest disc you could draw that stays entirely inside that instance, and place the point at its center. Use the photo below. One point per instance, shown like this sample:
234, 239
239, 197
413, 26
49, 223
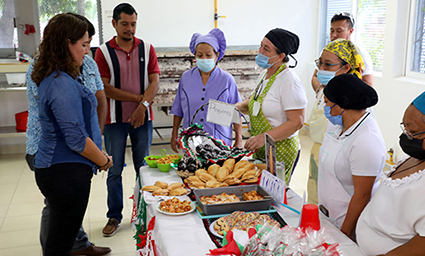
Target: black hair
278, 52
123, 8
90, 28
344, 16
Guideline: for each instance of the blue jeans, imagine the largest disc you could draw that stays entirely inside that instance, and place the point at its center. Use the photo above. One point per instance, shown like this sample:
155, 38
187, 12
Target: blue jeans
115, 144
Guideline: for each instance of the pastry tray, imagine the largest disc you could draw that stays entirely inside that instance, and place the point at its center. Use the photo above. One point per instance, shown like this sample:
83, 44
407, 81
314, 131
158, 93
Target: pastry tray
225, 208
203, 216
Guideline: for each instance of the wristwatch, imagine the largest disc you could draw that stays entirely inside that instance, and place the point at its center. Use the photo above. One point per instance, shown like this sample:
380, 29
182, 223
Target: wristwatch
145, 103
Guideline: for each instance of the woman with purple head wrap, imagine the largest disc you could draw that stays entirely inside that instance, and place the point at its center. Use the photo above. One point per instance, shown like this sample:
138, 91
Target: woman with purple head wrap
277, 104
204, 82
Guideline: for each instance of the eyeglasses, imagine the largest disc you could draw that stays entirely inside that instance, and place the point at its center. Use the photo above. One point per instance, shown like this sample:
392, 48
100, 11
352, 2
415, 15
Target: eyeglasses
408, 134
326, 65
346, 14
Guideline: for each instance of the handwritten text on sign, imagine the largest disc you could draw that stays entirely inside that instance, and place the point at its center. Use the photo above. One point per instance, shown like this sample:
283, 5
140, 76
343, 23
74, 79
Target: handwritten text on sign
222, 113
273, 185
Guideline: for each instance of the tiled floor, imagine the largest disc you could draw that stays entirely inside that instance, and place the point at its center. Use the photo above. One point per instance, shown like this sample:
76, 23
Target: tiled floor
21, 203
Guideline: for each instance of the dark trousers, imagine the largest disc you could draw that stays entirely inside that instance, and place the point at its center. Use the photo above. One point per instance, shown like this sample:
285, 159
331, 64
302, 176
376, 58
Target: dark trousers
66, 187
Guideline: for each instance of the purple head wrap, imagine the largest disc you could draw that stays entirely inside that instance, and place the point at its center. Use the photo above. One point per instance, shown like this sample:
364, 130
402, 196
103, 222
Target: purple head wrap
215, 38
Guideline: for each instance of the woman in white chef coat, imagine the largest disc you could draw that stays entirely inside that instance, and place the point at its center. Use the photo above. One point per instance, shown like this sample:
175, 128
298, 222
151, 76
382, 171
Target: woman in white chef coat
393, 223
352, 155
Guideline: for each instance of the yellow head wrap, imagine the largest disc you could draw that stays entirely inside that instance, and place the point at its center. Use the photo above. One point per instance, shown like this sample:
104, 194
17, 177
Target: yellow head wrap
347, 52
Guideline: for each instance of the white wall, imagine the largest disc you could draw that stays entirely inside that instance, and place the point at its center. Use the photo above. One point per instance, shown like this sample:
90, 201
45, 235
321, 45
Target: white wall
170, 23
395, 90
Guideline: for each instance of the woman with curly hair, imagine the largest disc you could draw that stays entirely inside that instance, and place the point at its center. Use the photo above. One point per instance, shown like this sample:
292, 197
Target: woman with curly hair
69, 150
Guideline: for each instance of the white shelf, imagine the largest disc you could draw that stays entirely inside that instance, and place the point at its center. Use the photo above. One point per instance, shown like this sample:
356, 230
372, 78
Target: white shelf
10, 132
13, 66
13, 88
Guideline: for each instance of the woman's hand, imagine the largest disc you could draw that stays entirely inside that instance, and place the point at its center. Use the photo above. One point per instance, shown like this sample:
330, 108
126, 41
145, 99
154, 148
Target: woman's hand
175, 145
255, 142
108, 165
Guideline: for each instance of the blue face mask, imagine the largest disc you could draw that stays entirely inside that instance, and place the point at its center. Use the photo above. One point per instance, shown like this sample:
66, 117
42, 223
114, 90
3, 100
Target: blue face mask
263, 61
335, 120
325, 76
205, 65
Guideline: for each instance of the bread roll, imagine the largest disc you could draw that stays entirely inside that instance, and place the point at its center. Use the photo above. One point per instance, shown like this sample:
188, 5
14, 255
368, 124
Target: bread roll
222, 173
161, 184
213, 169
161, 192
176, 185
150, 188
178, 192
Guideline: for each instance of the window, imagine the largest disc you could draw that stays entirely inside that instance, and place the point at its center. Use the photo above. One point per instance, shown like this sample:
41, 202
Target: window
87, 8
332, 8
369, 28
418, 50
8, 32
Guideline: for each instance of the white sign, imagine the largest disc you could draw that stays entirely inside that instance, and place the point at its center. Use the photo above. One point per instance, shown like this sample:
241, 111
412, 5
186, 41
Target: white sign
220, 113
274, 186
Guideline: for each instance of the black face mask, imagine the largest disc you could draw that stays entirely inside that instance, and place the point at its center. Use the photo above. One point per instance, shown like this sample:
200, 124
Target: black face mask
412, 147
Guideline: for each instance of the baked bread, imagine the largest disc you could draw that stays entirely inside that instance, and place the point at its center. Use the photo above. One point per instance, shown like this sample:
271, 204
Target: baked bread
199, 171
161, 184
212, 184
178, 192
233, 181
213, 169
197, 184
192, 179
150, 188
240, 164
206, 177
229, 164
222, 173
161, 192
176, 185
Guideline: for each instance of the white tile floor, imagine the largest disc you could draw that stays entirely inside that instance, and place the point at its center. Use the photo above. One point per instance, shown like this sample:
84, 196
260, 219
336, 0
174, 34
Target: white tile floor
21, 203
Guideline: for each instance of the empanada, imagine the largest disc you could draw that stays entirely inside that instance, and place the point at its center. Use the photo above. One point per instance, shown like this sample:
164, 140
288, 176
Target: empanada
161, 192
178, 192
229, 164
213, 169
150, 188
161, 184
176, 185
222, 173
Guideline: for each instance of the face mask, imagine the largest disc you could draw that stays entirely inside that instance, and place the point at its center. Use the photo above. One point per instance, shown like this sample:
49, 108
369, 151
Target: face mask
335, 120
325, 76
205, 65
412, 147
263, 61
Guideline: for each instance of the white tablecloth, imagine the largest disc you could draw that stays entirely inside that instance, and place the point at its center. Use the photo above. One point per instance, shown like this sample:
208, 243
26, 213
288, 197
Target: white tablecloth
186, 235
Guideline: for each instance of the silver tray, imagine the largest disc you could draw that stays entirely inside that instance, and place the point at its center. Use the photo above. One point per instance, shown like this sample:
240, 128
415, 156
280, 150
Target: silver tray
223, 208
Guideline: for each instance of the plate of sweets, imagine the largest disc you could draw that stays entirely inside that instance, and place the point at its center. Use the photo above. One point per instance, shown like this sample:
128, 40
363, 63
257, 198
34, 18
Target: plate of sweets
175, 207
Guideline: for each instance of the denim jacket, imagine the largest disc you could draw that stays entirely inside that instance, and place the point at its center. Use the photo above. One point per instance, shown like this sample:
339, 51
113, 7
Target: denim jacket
67, 116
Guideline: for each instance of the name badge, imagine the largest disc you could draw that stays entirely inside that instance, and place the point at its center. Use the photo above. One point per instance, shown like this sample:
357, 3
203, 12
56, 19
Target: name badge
256, 108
